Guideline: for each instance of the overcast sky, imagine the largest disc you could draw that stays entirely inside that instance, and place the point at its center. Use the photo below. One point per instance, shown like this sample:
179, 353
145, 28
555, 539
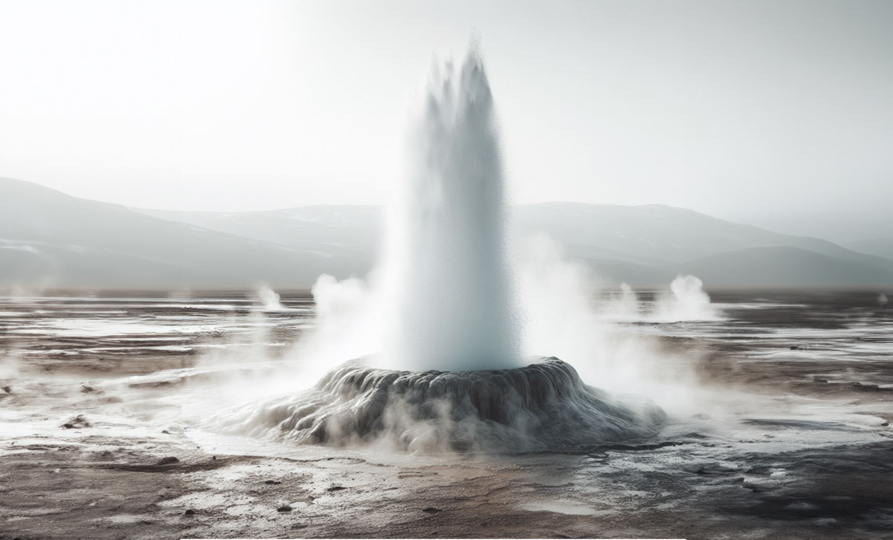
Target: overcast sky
747, 110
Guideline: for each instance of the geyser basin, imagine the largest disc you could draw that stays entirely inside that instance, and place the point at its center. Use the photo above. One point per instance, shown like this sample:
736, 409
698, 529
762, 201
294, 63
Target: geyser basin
541, 407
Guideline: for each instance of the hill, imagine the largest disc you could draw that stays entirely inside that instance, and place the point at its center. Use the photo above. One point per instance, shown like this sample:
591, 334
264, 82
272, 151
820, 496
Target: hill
643, 245
879, 247
49, 239
785, 267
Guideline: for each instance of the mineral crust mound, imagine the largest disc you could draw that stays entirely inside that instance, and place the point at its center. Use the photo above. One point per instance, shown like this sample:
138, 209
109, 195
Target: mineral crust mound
542, 407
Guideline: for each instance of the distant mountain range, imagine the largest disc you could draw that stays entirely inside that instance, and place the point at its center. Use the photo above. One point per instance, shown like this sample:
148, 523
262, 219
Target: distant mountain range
49, 239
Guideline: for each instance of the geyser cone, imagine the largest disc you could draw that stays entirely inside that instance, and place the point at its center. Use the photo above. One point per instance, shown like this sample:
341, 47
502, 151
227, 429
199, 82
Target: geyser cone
449, 276
541, 407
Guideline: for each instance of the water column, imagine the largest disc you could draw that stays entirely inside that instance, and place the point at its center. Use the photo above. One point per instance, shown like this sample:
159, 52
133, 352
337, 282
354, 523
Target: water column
447, 261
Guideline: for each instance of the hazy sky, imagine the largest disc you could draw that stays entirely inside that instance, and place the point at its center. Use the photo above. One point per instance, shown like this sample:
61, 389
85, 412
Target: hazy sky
738, 109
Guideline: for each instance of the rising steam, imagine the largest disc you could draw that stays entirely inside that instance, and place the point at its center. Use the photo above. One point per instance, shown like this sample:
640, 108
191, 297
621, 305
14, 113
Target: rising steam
688, 302
440, 312
269, 299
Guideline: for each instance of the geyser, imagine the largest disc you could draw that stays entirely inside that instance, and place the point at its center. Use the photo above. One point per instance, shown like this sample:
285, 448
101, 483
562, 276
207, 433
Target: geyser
446, 250
449, 314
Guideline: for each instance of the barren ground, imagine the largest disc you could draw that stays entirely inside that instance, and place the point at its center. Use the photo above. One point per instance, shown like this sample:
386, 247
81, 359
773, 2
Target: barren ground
816, 463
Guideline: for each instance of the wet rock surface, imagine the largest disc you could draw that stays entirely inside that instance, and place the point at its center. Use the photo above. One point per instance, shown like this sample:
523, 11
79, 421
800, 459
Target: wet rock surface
825, 495
76, 422
778, 471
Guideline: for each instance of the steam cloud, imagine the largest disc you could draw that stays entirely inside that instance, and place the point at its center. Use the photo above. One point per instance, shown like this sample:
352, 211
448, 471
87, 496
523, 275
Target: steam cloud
442, 303
269, 299
689, 302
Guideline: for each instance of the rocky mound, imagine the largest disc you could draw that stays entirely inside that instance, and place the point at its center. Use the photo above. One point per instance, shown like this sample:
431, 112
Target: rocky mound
541, 407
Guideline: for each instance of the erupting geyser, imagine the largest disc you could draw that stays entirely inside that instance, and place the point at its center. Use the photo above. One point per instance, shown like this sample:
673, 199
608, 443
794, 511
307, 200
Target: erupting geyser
446, 250
453, 309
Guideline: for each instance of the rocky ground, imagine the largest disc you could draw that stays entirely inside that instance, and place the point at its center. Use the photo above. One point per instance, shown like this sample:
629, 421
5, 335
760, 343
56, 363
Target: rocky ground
89, 453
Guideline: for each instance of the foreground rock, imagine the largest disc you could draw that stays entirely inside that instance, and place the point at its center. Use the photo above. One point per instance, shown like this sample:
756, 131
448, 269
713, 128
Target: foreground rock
77, 422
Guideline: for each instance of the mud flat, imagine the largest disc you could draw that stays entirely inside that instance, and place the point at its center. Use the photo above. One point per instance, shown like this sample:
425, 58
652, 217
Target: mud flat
101, 434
